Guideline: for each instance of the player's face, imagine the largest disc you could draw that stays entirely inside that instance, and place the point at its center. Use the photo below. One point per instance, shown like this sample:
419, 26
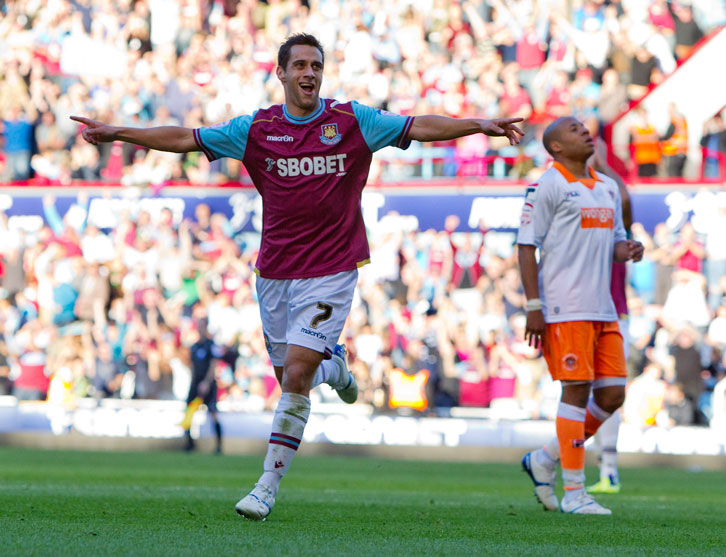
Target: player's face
576, 141
301, 79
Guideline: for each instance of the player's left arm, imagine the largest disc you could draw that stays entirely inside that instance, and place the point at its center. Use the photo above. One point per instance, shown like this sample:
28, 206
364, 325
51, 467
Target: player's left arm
442, 128
624, 248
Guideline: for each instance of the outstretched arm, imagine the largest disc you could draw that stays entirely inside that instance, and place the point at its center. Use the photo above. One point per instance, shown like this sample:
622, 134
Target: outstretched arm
441, 128
164, 138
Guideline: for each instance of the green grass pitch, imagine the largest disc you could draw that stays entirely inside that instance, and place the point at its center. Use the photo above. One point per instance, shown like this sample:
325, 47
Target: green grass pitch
93, 503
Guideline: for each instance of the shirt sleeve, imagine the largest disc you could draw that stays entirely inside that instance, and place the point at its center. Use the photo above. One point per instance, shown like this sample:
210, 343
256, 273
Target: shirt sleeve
228, 139
537, 214
382, 129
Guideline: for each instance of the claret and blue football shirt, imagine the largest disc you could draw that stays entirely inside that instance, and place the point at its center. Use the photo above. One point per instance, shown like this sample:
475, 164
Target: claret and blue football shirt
310, 173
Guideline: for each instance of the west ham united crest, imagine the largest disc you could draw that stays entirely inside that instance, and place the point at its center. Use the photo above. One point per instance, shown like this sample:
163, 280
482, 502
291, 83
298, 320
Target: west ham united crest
331, 135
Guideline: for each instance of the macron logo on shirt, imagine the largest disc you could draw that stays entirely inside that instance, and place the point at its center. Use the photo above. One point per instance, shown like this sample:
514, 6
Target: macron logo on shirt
282, 138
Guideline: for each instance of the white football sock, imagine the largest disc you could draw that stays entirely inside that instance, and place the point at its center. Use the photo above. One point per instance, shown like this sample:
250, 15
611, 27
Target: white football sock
288, 426
608, 434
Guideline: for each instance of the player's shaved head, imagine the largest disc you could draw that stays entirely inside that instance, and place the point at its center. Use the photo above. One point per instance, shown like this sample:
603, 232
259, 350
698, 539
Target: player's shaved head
552, 132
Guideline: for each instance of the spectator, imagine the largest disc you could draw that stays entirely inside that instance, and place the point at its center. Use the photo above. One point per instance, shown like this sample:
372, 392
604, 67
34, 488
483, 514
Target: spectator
33, 377
645, 397
17, 126
675, 143
6, 385
13, 278
642, 68
688, 251
643, 273
715, 251
688, 33
678, 409
93, 295
467, 267
688, 364
713, 143
613, 98
662, 255
645, 144
686, 302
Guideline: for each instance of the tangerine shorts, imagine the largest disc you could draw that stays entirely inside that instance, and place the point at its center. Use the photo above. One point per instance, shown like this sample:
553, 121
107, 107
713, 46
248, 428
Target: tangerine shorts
584, 350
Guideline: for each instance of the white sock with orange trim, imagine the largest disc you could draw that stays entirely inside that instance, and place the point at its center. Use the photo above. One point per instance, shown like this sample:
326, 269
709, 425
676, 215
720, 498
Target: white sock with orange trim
570, 425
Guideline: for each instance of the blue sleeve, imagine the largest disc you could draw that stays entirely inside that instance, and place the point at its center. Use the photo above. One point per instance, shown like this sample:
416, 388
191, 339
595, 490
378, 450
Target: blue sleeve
228, 139
382, 129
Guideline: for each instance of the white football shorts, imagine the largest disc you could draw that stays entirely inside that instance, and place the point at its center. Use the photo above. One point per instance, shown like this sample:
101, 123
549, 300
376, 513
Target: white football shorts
305, 312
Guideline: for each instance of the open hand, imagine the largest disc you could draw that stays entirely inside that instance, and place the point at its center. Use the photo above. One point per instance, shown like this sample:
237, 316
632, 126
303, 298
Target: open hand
503, 127
96, 132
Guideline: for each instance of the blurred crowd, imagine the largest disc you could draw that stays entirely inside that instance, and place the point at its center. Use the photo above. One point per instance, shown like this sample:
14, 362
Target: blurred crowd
200, 62
437, 322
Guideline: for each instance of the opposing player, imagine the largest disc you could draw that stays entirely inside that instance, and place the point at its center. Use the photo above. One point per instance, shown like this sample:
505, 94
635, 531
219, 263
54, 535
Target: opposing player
574, 216
309, 159
607, 435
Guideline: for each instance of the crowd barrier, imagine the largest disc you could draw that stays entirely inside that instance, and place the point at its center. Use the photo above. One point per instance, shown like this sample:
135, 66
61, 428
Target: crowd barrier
332, 424
424, 204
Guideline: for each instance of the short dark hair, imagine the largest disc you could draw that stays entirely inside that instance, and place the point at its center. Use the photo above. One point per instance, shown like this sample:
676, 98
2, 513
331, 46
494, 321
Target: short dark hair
283, 55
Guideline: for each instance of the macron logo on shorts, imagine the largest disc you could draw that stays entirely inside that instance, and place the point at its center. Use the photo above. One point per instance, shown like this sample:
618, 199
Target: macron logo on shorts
318, 334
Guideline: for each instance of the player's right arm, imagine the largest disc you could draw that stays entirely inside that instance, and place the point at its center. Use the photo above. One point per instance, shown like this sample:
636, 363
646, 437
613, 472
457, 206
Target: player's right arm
539, 207
535, 327
163, 138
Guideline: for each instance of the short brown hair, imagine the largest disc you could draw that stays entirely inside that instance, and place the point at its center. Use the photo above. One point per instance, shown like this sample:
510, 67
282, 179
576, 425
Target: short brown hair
283, 55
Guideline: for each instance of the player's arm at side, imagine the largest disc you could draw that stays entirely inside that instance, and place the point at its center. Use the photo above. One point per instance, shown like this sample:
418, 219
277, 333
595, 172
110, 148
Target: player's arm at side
624, 248
163, 138
535, 327
528, 270
442, 128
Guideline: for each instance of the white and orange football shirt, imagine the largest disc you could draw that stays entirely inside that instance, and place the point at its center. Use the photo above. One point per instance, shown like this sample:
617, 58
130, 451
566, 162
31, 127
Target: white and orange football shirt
575, 224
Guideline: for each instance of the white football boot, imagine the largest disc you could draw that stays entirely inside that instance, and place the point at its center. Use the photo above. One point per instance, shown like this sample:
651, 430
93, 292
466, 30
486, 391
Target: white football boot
544, 478
583, 503
257, 505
